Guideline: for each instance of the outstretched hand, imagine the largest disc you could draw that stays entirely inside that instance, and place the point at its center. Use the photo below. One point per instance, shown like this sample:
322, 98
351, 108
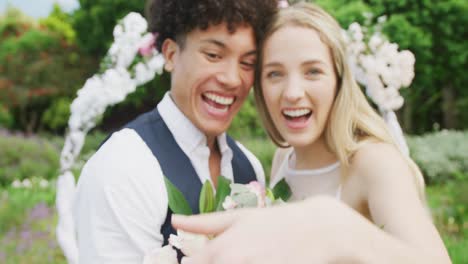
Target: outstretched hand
293, 233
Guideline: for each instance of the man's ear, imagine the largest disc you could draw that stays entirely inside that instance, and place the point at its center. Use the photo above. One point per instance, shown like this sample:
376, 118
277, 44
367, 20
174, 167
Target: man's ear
169, 50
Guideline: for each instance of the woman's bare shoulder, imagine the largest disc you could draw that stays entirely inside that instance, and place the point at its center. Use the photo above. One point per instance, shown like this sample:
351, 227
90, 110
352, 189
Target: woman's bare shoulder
373, 156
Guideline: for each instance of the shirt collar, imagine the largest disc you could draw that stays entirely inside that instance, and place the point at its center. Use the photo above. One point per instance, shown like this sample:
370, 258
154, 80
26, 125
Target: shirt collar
185, 133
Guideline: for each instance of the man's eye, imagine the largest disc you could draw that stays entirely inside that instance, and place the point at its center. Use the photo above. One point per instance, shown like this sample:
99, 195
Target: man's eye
248, 65
212, 56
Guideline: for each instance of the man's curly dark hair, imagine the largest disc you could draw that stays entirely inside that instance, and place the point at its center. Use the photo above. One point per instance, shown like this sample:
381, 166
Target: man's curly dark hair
175, 18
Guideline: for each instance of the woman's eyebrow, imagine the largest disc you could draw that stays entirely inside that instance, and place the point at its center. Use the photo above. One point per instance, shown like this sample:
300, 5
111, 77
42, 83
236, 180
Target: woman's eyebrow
272, 64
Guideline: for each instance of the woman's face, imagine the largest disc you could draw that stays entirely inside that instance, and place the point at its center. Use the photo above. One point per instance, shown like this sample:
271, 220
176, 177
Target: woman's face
299, 83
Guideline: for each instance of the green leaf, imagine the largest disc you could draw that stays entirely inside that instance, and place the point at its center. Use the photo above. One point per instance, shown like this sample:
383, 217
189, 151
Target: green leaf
207, 200
282, 190
222, 192
177, 202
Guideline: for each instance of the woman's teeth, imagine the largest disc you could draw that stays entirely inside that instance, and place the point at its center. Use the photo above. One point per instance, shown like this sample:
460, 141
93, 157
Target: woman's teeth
296, 113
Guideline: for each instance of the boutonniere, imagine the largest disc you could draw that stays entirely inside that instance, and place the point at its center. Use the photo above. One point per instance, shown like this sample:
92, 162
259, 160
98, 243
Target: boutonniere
228, 196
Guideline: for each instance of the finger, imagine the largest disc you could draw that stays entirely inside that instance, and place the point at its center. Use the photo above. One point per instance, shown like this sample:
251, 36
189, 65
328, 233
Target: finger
197, 259
207, 224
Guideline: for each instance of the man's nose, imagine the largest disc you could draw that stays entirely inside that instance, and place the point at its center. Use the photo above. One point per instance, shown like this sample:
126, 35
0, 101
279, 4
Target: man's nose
230, 76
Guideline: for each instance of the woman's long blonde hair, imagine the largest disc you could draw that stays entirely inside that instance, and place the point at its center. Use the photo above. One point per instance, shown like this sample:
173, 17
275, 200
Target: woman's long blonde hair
352, 121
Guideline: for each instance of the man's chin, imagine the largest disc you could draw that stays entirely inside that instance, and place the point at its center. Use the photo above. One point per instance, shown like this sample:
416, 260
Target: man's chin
215, 129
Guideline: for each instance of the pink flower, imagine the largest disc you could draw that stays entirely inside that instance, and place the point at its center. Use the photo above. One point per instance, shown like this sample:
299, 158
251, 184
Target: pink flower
283, 4
259, 190
147, 45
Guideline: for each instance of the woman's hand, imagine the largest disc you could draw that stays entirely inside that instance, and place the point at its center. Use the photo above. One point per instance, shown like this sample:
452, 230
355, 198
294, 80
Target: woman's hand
318, 230
315, 231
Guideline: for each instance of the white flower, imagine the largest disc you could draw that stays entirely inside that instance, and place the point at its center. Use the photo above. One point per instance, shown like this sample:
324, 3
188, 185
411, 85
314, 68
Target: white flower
406, 61
375, 41
187, 242
27, 183
114, 51
156, 63
164, 255
381, 19
126, 54
368, 15
117, 83
77, 138
118, 31
229, 203
356, 31
43, 183
134, 22
283, 4
16, 184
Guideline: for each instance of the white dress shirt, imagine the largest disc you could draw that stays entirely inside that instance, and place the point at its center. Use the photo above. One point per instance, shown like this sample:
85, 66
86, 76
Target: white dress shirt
121, 200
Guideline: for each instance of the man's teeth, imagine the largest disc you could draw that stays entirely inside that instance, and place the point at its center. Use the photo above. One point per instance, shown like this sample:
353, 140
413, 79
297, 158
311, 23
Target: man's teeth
219, 99
296, 113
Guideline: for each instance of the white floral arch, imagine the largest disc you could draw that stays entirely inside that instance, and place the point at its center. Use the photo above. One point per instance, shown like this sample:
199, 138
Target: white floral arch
376, 63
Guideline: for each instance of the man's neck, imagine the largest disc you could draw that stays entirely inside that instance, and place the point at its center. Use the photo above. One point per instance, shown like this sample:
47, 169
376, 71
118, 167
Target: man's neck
214, 160
211, 142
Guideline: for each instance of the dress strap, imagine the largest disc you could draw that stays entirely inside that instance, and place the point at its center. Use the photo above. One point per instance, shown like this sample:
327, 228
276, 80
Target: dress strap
338, 193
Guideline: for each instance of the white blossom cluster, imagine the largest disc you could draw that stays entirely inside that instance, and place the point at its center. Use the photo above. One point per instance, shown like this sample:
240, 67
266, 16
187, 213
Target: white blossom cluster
382, 70
379, 66
132, 60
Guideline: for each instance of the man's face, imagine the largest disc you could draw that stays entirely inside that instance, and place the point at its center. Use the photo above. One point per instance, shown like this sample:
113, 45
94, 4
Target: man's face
211, 75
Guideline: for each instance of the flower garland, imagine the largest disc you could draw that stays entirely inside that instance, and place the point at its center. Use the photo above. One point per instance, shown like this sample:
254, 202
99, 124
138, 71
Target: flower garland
381, 69
131, 61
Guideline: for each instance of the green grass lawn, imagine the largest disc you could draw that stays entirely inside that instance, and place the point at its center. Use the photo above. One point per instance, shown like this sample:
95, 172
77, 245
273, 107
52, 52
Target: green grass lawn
449, 206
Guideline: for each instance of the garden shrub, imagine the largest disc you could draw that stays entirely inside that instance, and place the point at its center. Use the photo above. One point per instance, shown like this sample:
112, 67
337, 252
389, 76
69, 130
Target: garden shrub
56, 116
442, 156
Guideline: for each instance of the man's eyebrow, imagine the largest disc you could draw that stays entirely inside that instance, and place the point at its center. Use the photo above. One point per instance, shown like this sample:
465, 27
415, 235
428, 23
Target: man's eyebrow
215, 42
251, 53
223, 46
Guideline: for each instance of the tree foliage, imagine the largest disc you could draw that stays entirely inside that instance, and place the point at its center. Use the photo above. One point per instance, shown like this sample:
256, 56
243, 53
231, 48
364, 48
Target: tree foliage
435, 31
95, 19
38, 63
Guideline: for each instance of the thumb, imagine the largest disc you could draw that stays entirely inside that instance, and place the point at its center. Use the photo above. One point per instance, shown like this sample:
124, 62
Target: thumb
207, 224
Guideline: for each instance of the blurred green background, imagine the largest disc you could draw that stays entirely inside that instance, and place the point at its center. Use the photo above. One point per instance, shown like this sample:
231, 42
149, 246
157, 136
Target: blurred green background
44, 61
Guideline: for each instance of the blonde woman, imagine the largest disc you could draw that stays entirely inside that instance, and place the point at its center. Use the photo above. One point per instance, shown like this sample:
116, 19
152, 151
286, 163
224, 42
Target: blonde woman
365, 199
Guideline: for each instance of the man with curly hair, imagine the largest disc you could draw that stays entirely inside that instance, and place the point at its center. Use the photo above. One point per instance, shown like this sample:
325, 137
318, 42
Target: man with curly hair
210, 47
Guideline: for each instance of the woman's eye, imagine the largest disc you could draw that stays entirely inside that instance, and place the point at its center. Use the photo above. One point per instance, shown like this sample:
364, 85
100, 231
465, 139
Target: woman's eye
273, 74
313, 72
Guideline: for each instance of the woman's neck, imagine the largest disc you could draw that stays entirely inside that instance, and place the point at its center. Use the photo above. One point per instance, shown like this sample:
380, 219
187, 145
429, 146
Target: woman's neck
314, 156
